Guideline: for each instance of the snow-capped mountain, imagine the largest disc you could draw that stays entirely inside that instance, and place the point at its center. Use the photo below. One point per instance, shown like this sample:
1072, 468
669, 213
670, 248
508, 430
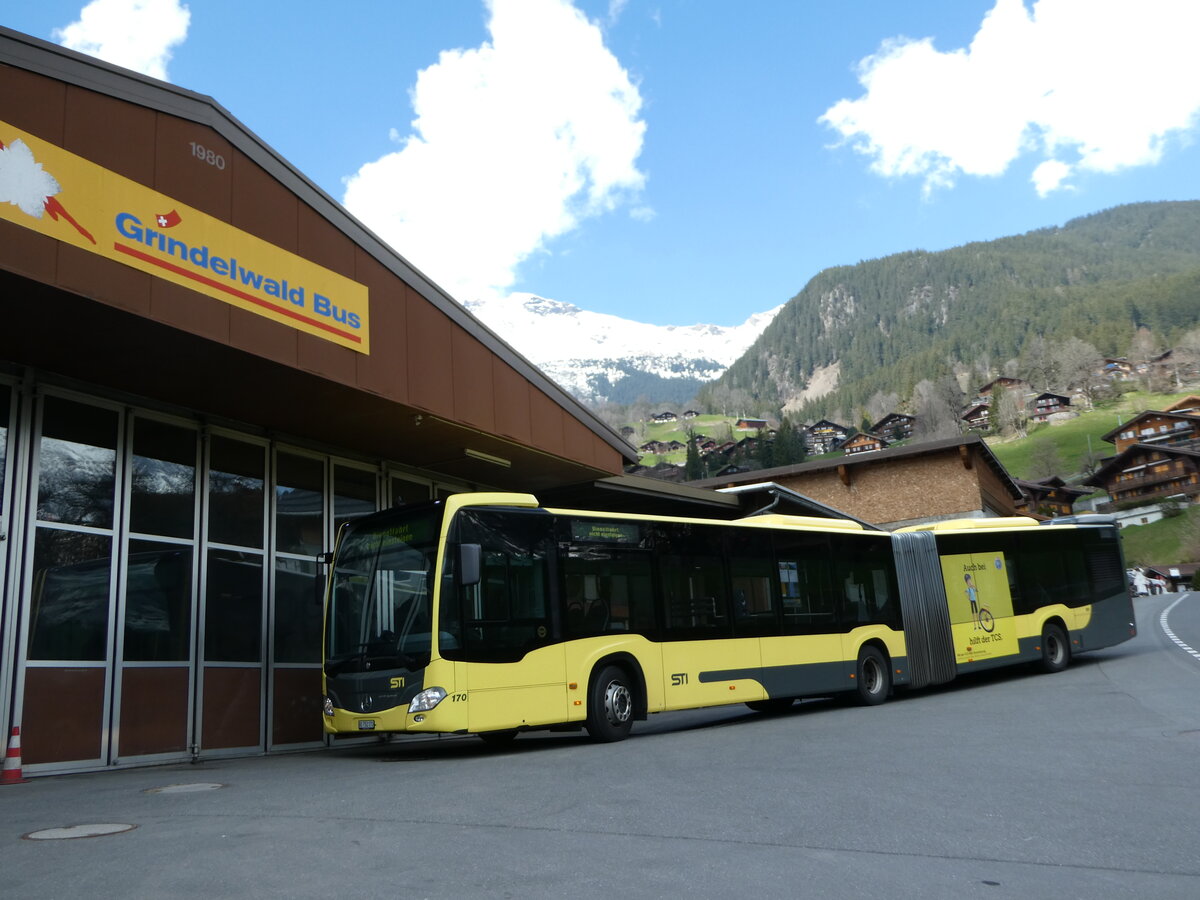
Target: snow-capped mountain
601, 357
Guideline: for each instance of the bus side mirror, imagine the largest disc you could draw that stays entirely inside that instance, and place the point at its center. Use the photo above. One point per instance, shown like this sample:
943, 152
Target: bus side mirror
469, 556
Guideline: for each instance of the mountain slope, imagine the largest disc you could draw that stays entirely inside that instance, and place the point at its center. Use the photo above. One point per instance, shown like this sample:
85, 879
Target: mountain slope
600, 357
886, 324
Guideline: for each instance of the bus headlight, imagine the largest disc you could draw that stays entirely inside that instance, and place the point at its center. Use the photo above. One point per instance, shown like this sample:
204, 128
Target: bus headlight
427, 699
327, 707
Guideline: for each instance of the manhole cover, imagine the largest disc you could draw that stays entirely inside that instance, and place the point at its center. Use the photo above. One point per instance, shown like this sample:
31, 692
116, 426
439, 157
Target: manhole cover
185, 788
70, 832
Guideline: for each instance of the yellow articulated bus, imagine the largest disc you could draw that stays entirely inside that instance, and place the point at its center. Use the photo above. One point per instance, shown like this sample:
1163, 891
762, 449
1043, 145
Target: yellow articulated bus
488, 614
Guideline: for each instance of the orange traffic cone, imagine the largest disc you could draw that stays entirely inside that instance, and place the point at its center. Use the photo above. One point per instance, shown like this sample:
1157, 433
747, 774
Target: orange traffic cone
11, 774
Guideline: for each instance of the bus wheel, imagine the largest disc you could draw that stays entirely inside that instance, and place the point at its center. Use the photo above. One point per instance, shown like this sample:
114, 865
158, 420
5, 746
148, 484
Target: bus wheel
1056, 651
873, 678
498, 738
610, 706
773, 705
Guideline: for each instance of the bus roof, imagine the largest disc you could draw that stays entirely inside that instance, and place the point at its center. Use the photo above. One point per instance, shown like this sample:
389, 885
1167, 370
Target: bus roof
972, 524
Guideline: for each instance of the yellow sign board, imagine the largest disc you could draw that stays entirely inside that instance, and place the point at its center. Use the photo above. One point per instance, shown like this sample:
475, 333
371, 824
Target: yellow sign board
981, 612
52, 191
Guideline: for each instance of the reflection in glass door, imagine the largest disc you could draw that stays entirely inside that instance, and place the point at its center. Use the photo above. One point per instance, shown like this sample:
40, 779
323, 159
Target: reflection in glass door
296, 600
232, 686
157, 596
69, 585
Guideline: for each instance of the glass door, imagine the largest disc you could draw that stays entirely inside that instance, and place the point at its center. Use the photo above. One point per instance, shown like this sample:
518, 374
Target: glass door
296, 613
157, 595
69, 589
233, 623
8, 606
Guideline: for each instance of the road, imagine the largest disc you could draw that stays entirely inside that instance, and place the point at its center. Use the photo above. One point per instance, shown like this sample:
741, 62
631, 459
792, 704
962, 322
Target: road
1079, 784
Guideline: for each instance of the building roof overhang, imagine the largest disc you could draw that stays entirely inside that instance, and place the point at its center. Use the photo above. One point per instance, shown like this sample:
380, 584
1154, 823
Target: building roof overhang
50, 60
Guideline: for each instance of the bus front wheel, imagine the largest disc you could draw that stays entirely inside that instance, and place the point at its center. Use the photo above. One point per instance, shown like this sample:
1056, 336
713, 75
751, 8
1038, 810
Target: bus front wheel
1056, 651
610, 706
873, 677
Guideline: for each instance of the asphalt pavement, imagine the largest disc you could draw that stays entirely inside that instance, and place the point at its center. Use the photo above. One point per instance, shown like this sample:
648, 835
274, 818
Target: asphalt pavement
1012, 784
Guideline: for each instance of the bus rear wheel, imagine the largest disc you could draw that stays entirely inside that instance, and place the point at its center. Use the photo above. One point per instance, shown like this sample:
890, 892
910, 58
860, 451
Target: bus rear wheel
1056, 651
610, 706
873, 678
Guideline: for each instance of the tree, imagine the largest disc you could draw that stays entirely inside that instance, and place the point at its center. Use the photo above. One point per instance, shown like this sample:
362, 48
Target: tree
1079, 366
937, 405
789, 444
1008, 414
881, 404
1039, 363
764, 450
1186, 355
1144, 348
1044, 459
693, 466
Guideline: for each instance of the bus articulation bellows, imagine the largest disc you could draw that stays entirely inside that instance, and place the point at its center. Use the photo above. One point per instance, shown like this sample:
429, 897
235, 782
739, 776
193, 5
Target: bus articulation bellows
488, 614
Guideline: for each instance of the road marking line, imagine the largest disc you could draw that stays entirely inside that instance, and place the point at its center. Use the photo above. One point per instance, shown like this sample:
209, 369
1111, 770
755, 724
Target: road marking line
1162, 621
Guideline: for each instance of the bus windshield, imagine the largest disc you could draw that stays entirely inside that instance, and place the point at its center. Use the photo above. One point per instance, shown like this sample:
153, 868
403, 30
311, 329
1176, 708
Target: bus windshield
380, 600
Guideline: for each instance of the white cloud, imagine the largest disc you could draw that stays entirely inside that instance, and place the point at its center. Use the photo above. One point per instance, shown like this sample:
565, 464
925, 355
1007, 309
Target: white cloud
1087, 85
136, 34
514, 143
1049, 176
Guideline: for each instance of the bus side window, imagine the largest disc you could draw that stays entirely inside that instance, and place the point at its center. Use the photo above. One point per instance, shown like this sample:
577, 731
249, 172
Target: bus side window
805, 582
754, 582
691, 574
869, 590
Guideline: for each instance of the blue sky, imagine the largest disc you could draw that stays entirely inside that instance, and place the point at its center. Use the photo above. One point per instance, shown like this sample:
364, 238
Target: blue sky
683, 161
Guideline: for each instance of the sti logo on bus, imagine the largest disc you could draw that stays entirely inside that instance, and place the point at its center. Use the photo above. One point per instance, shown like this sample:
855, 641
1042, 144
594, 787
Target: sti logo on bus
678, 678
397, 682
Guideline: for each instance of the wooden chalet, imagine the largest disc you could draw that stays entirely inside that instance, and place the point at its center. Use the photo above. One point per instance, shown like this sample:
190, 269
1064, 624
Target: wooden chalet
1003, 383
750, 424
863, 443
894, 427
825, 436
1156, 427
1148, 473
1047, 404
978, 417
1049, 497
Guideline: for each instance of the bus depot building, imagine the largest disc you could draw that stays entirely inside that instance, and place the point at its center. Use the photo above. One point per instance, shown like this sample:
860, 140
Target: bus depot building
206, 366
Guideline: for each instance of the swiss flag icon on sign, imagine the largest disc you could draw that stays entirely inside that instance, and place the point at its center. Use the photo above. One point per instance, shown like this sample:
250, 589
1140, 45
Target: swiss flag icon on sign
167, 220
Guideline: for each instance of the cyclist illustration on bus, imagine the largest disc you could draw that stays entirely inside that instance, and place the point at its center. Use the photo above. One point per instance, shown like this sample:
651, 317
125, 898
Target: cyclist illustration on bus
981, 615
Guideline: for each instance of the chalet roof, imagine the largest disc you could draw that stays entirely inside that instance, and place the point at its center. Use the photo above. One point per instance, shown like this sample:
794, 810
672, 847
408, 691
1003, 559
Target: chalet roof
1143, 414
1191, 401
892, 417
1121, 460
1052, 394
1003, 381
1051, 485
828, 425
975, 408
968, 443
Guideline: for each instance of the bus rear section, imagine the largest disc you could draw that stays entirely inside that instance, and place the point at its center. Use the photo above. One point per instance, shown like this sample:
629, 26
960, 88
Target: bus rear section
997, 592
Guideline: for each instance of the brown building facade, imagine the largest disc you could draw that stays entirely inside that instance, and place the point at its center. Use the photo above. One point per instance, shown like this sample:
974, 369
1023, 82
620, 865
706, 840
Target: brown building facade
945, 479
207, 366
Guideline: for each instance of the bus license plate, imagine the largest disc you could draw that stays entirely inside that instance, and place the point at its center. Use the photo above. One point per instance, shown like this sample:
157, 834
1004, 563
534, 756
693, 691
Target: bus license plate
366, 724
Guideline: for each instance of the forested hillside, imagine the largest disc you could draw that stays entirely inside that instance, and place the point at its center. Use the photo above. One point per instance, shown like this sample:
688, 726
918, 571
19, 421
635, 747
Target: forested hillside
886, 324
